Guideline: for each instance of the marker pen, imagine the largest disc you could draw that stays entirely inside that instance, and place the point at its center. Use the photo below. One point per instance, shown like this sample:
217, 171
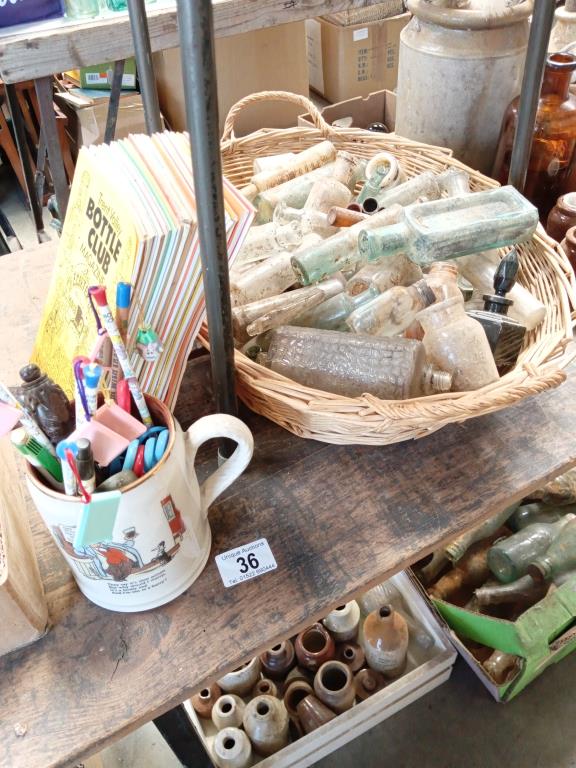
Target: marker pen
92, 375
85, 464
47, 465
70, 484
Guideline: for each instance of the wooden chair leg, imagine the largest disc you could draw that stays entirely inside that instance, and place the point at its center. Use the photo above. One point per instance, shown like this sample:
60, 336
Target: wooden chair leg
61, 123
7, 144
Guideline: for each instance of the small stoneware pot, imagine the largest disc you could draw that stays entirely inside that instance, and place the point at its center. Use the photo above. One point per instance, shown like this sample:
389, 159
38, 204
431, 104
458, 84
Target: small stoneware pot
343, 621
312, 714
241, 680
297, 673
367, 682
278, 660
314, 646
352, 655
228, 711
266, 723
231, 749
294, 693
334, 686
204, 701
264, 687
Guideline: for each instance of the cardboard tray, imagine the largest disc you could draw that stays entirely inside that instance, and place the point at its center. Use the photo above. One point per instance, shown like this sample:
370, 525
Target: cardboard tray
426, 670
377, 107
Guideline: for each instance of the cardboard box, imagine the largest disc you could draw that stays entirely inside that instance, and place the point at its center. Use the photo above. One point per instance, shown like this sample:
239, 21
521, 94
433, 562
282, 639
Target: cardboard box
99, 76
379, 107
355, 60
268, 59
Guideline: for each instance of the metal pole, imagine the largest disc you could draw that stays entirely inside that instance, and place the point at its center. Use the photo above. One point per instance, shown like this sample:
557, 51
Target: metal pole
200, 91
114, 101
139, 25
536, 54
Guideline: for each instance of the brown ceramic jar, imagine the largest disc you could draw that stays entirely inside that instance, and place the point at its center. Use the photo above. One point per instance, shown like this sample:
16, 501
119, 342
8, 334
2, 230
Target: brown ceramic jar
314, 646
385, 641
204, 701
368, 682
569, 245
294, 693
334, 686
562, 216
312, 714
266, 723
264, 687
278, 660
352, 655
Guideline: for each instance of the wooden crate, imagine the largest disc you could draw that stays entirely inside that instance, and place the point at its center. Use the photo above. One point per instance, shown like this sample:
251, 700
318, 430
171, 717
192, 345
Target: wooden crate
425, 671
23, 609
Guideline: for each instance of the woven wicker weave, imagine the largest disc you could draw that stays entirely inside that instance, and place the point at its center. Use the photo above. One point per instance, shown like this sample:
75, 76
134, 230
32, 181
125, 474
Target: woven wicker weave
544, 270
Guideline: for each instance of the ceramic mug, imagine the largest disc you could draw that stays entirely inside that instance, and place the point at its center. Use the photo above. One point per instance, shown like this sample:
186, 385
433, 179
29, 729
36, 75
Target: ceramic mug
161, 536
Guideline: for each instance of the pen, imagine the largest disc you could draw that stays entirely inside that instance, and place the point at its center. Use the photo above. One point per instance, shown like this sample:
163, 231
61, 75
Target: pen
26, 419
92, 375
123, 296
82, 414
70, 484
47, 465
85, 464
99, 295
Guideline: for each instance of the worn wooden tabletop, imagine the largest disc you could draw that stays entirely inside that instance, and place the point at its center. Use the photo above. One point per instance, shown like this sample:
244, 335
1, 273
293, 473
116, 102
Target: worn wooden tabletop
338, 519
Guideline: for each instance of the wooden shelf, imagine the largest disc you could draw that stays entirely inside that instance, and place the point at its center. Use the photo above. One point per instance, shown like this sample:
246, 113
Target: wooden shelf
42, 49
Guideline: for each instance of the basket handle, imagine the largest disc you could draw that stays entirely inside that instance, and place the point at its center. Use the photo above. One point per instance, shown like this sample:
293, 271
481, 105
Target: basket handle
293, 98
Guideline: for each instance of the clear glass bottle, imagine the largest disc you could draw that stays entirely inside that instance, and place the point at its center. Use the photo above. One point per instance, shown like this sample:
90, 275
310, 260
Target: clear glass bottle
82, 9
456, 343
456, 550
454, 182
480, 269
308, 219
536, 512
523, 591
351, 365
293, 193
425, 185
372, 186
505, 335
340, 251
562, 216
560, 557
331, 314
392, 311
267, 278
442, 278
397, 270
509, 559
454, 226
264, 240
569, 246
335, 189
552, 163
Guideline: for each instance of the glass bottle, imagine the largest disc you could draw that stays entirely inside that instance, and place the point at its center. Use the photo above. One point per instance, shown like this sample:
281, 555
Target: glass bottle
264, 240
524, 590
385, 641
505, 335
537, 512
335, 189
480, 269
509, 559
502, 667
442, 278
292, 193
562, 216
397, 270
267, 278
471, 572
117, 5
458, 548
456, 343
344, 217
561, 554
454, 226
552, 163
350, 364
425, 185
331, 314
309, 220
454, 182
392, 311
569, 246
372, 186
340, 251
82, 9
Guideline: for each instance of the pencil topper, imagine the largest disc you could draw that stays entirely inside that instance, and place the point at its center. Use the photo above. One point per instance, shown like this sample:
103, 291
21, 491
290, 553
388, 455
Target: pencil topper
148, 344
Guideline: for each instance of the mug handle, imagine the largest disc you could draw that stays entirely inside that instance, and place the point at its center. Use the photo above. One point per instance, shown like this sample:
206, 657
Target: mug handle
220, 425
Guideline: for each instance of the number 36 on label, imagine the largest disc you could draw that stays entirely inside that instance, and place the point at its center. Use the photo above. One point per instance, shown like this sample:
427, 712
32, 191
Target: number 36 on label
245, 562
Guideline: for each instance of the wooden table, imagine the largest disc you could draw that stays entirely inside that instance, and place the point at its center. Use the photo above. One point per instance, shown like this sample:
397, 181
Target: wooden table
338, 519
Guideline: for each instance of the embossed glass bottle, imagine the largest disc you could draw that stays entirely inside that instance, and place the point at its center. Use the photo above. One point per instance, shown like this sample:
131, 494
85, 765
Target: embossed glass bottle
331, 314
397, 270
392, 311
560, 556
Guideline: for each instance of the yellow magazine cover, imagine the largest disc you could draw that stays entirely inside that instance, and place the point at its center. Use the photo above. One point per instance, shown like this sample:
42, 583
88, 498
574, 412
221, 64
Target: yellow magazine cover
98, 246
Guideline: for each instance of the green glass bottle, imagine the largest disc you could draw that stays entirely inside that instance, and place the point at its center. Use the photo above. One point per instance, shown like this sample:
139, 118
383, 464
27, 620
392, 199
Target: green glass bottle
560, 556
117, 5
509, 559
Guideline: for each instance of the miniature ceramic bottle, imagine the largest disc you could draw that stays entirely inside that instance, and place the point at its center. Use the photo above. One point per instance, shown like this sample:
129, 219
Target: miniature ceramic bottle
228, 711
334, 686
205, 700
266, 723
312, 714
372, 186
456, 343
352, 655
331, 314
524, 590
264, 687
352, 364
455, 226
46, 402
562, 216
536, 512
278, 660
241, 680
397, 270
294, 693
569, 246
505, 335
231, 749
387, 593
343, 621
385, 641
560, 556
509, 559
552, 156
458, 548
335, 189
264, 240
314, 646
502, 667
340, 251
367, 682
392, 311
442, 278
425, 185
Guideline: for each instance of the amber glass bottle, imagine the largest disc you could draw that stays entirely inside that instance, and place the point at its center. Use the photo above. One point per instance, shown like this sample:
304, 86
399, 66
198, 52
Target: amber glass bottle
552, 166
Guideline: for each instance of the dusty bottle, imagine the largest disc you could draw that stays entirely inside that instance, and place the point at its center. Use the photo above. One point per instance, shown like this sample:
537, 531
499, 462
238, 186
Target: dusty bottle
308, 219
387, 593
241, 680
372, 186
295, 691
524, 590
268, 278
279, 660
502, 667
231, 749
455, 226
340, 251
569, 246
352, 655
509, 559
442, 278
312, 714
266, 723
425, 185
392, 311
561, 554
272, 162
458, 548
335, 189
505, 335
535, 513
264, 240
228, 711
334, 686
205, 700
551, 167
342, 622
562, 216
385, 641
471, 572
331, 314
344, 217
454, 182
456, 343
314, 646
367, 682
397, 270
480, 270
292, 193
352, 364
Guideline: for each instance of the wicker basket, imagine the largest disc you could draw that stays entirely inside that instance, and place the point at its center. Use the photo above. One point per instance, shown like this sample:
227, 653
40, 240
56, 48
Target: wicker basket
544, 270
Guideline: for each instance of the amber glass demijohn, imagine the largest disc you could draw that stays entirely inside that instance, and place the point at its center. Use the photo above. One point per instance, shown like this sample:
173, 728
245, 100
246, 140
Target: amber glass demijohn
552, 165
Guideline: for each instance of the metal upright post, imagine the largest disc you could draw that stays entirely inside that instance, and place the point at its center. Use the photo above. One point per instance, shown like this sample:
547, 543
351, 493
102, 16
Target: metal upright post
200, 91
542, 20
139, 25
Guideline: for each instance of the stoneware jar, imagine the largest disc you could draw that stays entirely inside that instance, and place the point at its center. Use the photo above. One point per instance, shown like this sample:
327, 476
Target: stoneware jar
368, 682
161, 536
241, 680
232, 749
264, 687
278, 660
385, 641
352, 655
294, 693
228, 711
266, 723
205, 700
334, 686
312, 714
342, 622
314, 646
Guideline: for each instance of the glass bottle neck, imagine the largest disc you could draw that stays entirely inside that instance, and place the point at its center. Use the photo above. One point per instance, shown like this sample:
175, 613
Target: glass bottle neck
556, 82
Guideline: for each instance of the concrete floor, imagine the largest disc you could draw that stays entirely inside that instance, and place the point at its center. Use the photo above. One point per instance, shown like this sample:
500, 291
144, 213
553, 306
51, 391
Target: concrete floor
456, 726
